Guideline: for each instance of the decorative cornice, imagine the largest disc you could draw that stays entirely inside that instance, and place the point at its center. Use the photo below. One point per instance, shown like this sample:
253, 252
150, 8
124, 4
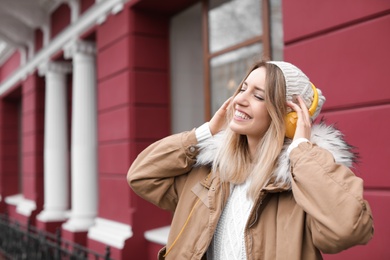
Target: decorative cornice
84, 23
61, 67
77, 46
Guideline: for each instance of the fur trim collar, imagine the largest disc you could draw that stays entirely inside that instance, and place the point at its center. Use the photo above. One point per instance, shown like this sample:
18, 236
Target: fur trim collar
327, 137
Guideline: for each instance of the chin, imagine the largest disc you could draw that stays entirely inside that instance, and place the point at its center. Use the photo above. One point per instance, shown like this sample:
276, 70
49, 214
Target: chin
237, 129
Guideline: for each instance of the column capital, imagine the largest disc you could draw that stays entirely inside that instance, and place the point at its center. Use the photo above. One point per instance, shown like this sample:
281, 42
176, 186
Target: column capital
78, 46
60, 67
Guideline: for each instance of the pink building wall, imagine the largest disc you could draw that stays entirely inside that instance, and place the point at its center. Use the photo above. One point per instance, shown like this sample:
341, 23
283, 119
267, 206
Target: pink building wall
346, 57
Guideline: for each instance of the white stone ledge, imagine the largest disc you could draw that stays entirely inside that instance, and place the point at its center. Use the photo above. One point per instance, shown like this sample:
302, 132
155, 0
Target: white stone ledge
13, 199
110, 232
158, 235
23, 206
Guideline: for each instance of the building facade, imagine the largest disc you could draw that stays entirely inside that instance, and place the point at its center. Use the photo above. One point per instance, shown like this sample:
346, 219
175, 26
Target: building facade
85, 85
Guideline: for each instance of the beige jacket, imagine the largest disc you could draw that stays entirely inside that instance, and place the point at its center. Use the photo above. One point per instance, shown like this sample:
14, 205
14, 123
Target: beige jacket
323, 211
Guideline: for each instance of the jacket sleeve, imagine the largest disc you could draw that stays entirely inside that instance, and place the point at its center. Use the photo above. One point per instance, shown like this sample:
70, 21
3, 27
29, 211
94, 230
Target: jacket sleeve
160, 170
332, 197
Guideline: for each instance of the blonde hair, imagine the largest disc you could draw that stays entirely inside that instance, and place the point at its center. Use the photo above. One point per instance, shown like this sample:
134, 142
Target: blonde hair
233, 162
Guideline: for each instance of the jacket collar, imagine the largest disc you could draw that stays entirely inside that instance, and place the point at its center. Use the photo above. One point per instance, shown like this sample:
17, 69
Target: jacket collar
322, 135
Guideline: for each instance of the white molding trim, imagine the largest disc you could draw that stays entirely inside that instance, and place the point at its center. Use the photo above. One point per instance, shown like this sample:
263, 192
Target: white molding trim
78, 46
46, 33
7, 52
13, 199
26, 207
85, 22
61, 67
158, 235
110, 232
23, 57
30, 49
74, 6
23, 206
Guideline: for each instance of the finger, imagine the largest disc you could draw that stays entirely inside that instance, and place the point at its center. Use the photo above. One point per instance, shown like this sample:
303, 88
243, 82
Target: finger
293, 106
303, 129
226, 104
223, 109
301, 110
218, 121
304, 109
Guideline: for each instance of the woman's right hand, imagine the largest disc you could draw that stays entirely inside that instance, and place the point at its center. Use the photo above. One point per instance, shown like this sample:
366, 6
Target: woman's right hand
218, 121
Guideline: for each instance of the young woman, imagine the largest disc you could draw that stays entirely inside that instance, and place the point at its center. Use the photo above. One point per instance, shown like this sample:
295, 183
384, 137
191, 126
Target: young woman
241, 189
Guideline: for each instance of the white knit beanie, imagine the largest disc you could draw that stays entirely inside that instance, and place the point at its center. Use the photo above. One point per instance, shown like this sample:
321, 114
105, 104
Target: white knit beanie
297, 83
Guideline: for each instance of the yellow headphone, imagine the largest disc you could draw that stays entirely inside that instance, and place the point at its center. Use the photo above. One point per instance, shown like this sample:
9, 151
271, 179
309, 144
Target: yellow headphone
292, 117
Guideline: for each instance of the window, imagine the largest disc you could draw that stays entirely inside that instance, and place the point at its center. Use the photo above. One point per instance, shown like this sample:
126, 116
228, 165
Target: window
235, 34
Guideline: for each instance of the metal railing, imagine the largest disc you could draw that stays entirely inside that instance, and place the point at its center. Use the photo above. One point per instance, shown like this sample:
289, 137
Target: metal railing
27, 242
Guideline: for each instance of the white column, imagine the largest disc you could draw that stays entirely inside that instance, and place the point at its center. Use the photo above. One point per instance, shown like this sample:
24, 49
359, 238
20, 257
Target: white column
56, 188
84, 137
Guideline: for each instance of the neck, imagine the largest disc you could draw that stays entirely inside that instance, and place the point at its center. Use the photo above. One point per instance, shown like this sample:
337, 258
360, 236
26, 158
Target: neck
252, 144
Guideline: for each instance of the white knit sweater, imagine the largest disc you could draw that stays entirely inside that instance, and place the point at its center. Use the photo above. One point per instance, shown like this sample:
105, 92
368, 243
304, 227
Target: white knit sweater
228, 241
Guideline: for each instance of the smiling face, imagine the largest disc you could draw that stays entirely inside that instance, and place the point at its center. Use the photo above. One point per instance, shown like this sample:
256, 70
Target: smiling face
251, 117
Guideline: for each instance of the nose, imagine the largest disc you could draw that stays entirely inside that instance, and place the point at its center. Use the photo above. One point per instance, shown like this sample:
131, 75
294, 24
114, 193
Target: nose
242, 99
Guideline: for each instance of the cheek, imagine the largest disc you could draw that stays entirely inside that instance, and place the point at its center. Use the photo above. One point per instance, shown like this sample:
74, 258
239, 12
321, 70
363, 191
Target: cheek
265, 119
262, 111
267, 116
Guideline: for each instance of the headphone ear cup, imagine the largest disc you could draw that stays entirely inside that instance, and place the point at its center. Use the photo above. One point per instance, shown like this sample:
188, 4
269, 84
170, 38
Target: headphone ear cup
292, 117
291, 124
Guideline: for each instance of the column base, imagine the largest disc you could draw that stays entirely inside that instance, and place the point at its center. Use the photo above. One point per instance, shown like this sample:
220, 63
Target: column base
78, 224
48, 215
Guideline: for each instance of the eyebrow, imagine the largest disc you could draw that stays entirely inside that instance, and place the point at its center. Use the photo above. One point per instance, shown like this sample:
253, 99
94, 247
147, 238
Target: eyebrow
259, 89
256, 88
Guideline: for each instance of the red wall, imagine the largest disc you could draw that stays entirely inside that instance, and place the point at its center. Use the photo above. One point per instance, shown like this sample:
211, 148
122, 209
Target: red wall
133, 111
343, 47
59, 20
85, 4
9, 149
306, 18
32, 139
38, 40
10, 66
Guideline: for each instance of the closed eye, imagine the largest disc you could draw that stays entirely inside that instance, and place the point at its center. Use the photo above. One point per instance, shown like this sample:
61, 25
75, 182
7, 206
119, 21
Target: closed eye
259, 98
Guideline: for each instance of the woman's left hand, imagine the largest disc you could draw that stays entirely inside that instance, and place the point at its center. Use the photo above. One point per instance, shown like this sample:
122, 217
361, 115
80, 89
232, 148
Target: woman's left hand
304, 121
218, 121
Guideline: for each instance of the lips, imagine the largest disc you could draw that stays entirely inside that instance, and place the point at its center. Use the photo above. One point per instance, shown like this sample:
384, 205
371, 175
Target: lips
241, 115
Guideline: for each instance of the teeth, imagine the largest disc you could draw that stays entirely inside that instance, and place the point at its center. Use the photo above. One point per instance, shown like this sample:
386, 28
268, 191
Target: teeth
241, 115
